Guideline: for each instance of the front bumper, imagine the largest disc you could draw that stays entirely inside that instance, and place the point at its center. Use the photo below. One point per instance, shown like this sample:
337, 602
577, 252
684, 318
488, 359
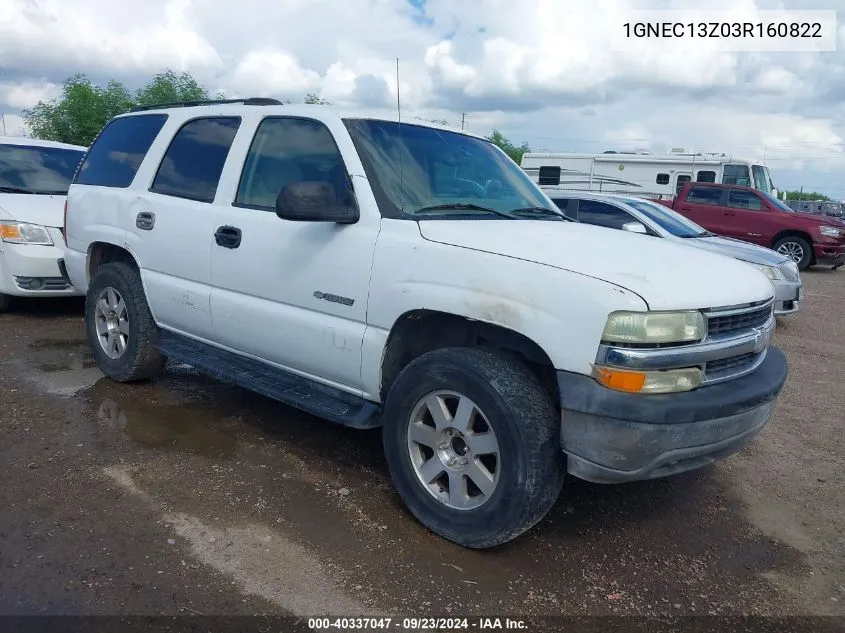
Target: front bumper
613, 437
788, 296
27, 270
829, 254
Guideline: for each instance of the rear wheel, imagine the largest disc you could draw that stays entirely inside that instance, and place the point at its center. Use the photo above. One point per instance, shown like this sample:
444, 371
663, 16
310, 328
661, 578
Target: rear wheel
472, 444
121, 331
797, 249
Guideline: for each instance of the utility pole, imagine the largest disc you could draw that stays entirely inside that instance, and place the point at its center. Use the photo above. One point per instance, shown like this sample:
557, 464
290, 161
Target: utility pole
463, 116
3, 122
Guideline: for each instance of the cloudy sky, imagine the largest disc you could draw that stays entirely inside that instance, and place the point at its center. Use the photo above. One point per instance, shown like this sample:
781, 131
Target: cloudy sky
542, 71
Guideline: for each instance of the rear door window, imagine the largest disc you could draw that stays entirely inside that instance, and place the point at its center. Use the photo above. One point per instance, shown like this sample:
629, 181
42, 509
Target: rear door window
704, 195
193, 163
118, 151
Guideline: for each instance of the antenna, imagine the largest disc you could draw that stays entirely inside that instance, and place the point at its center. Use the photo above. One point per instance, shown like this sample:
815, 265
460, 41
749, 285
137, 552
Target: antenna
401, 144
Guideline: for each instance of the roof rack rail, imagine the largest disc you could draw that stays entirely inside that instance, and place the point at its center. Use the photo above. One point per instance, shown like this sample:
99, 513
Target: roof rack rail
256, 101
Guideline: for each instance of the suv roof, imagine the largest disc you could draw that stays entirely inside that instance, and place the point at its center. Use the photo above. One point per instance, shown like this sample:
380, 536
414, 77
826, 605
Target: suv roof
276, 107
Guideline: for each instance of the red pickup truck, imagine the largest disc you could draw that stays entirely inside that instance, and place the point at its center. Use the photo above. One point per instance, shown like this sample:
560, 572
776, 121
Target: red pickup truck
755, 216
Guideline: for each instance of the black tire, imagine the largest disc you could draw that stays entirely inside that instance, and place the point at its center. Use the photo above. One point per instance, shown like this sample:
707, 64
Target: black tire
796, 243
527, 427
5, 302
140, 360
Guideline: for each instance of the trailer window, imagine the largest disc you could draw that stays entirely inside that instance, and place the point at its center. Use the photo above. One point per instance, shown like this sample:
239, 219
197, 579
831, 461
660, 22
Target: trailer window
682, 180
549, 175
736, 175
762, 181
662, 179
706, 176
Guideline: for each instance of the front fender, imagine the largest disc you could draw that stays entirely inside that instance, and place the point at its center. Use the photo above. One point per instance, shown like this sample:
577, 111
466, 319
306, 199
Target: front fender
563, 312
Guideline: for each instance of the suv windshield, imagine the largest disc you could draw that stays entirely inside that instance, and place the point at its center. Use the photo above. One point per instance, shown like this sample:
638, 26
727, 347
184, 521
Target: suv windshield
671, 222
424, 173
37, 170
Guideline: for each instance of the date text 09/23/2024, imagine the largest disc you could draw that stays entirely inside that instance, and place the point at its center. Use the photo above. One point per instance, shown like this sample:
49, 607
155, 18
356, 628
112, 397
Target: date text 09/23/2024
416, 624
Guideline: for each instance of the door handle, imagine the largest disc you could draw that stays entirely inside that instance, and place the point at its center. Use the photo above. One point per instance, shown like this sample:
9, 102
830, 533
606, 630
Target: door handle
728, 213
145, 220
228, 236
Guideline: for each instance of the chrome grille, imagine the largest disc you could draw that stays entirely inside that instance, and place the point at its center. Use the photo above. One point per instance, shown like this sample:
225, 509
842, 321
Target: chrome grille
715, 369
738, 321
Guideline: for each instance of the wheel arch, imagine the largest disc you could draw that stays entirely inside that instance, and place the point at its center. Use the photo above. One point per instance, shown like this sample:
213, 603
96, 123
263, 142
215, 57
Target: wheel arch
795, 233
421, 330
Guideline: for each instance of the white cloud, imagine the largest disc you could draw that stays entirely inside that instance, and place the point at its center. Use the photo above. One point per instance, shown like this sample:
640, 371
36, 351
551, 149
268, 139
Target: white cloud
12, 125
27, 94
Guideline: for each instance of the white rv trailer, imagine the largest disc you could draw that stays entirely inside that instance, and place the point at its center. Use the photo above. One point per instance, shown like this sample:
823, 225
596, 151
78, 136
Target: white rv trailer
643, 174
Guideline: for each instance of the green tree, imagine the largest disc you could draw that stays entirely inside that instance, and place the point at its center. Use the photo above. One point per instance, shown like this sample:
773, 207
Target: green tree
314, 99
508, 147
806, 195
167, 87
79, 113
83, 108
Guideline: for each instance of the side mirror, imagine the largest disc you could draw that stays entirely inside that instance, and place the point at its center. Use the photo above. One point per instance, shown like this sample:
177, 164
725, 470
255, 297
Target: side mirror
313, 201
635, 227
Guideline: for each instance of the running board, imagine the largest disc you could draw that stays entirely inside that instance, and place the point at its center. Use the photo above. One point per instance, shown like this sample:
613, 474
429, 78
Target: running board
293, 390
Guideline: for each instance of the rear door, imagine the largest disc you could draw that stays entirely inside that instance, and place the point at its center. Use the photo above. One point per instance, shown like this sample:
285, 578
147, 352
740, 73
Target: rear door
173, 223
704, 205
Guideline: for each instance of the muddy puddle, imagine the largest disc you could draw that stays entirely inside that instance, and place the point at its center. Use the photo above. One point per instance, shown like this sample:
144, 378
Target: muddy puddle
174, 427
52, 355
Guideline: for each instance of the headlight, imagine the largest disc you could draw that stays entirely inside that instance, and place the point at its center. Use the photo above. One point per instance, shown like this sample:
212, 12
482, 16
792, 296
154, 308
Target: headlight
830, 231
22, 233
654, 327
770, 271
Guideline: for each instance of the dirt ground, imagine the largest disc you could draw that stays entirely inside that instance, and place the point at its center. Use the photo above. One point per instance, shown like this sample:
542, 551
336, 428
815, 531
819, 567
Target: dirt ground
188, 496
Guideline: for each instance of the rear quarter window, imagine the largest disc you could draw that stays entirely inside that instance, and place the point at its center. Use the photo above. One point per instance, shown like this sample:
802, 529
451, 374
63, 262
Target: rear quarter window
118, 151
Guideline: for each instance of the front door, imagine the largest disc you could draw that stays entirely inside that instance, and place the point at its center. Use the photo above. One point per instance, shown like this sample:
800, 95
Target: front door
292, 293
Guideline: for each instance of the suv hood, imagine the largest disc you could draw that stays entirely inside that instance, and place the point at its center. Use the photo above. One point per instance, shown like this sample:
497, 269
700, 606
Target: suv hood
667, 275
738, 249
33, 208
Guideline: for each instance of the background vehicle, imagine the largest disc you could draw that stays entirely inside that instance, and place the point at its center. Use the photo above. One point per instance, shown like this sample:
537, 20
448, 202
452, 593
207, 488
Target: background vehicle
397, 276
630, 213
34, 179
817, 207
643, 174
753, 216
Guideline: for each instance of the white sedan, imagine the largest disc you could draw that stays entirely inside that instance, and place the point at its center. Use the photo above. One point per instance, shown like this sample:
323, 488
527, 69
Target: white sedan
34, 179
630, 213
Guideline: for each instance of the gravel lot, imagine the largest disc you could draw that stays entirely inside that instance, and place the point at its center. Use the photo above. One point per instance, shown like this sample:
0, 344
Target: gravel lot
187, 496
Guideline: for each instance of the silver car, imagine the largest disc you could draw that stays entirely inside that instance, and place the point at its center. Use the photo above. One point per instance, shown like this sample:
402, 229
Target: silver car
639, 215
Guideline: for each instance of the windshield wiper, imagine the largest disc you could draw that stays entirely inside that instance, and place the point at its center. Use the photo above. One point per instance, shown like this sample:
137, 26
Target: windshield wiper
543, 210
9, 189
465, 207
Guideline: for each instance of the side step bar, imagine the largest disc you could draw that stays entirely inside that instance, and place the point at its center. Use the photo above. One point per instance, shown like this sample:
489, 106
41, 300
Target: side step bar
293, 390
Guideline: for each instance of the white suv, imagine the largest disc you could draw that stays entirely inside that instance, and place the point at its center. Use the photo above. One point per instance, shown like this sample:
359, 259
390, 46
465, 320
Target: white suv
412, 277
34, 178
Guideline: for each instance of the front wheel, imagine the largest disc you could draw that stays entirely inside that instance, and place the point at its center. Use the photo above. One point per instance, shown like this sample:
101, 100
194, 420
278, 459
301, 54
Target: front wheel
121, 331
472, 444
797, 249
5, 302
